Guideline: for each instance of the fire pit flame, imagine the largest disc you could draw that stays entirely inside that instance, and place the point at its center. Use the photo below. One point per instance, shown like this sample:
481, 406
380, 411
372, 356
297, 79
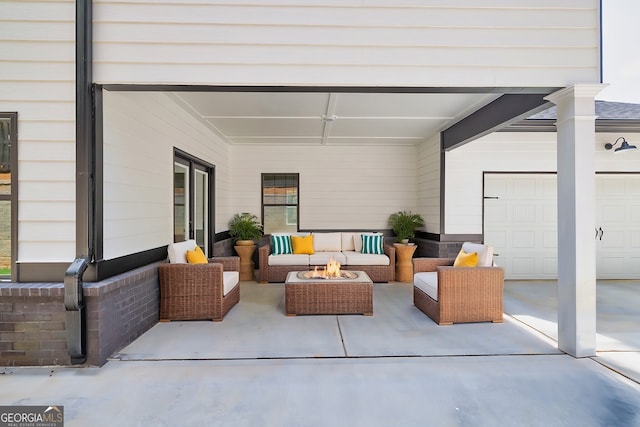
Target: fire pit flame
329, 271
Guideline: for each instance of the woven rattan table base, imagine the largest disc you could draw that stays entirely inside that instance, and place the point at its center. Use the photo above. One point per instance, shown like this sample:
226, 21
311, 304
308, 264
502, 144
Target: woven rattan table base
328, 296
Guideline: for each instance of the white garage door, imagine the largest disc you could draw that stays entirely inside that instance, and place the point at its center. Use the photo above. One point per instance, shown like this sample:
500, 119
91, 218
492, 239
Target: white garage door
520, 221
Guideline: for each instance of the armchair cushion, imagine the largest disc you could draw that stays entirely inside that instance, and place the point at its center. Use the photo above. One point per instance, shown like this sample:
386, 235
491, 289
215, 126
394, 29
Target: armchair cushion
485, 253
427, 282
178, 251
229, 280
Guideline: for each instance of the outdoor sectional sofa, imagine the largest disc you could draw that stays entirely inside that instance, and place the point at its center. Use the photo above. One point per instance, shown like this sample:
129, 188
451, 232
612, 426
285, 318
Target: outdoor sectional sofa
344, 247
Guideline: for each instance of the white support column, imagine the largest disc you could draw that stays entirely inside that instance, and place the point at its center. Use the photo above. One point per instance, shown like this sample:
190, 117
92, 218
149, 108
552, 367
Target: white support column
576, 219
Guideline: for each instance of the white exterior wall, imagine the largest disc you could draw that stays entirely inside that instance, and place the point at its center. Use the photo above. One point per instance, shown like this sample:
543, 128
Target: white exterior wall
429, 184
37, 79
355, 187
511, 152
247, 42
140, 131
337, 42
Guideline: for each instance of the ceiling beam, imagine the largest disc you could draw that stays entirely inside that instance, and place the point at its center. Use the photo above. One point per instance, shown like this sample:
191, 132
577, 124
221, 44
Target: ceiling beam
329, 117
507, 109
324, 89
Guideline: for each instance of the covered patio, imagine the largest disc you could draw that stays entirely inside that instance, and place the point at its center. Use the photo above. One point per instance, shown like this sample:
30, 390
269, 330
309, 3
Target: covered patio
259, 367
257, 328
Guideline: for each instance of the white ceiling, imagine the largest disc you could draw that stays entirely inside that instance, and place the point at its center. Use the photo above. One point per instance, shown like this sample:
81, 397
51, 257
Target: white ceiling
312, 118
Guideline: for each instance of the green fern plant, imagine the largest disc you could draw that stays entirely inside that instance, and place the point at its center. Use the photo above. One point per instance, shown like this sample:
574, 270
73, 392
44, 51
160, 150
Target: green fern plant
245, 226
404, 224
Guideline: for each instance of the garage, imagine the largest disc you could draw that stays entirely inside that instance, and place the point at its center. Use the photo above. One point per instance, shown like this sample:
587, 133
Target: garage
520, 221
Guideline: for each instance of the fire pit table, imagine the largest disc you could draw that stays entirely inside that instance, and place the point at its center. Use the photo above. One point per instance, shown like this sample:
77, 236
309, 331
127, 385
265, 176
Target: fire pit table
351, 293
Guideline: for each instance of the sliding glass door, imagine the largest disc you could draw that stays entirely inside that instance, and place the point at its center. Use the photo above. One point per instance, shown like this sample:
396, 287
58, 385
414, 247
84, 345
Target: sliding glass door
180, 202
192, 200
201, 207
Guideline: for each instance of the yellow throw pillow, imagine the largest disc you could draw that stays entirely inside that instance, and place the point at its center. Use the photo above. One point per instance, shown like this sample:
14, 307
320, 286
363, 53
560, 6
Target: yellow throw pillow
466, 259
196, 256
302, 244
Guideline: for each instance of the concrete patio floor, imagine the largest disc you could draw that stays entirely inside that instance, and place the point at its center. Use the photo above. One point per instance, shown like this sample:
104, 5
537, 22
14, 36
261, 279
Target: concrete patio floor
396, 368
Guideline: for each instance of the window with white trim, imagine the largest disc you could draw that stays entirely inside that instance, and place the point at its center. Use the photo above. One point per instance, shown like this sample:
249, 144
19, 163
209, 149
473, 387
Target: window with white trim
280, 197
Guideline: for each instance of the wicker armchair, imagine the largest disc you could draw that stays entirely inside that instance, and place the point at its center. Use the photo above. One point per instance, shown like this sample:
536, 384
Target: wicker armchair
196, 291
464, 294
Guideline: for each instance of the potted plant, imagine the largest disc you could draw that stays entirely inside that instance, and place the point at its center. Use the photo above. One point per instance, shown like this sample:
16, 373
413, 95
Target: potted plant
404, 225
245, 228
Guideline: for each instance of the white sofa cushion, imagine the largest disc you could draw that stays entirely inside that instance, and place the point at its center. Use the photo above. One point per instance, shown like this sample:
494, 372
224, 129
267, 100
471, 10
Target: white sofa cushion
358, 258
322, 258
178, 251
427, 282
485, 253
327, 242
229, 280
348, 243
289, 259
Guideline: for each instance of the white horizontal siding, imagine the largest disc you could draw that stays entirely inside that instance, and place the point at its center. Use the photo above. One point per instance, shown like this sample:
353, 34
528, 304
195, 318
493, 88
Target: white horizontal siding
397, 37
490, 43
37, 80
432, 57
510, 152
428, 177
140, 132
340, 187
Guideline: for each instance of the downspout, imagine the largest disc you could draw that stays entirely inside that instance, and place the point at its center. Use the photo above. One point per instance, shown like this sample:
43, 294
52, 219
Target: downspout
85, 196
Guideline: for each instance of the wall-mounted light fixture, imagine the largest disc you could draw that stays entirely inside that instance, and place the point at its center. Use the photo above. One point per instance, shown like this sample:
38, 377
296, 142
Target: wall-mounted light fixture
623, 146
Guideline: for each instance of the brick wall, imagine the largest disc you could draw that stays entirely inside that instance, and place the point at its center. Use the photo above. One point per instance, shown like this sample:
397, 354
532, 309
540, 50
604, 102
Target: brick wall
32, 325
434, 249
33, 318
119, 310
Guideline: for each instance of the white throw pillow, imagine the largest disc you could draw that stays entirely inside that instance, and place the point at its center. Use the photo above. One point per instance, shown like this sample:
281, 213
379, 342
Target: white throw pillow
178, 251
485, 253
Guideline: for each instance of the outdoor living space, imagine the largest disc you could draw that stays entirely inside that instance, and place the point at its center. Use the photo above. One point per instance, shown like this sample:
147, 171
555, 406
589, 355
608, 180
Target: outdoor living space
258, 328
397, 367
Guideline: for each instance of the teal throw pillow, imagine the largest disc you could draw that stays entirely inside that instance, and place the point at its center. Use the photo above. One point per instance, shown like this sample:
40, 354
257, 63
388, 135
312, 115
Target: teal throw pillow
281, 244
372, 244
